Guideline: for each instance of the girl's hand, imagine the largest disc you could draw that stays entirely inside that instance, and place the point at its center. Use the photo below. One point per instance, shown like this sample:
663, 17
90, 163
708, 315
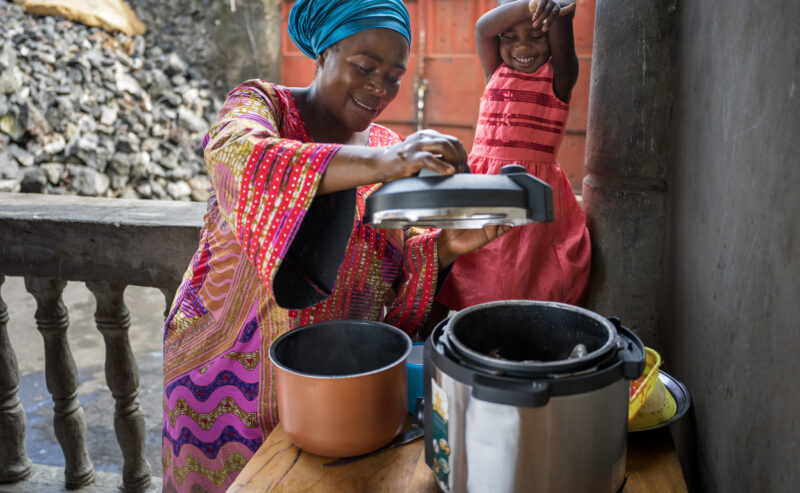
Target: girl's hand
545, 12
456, 242
429, 149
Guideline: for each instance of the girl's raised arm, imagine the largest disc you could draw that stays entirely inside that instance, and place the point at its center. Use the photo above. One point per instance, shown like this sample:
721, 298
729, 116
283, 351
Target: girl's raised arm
490, 26
555, 18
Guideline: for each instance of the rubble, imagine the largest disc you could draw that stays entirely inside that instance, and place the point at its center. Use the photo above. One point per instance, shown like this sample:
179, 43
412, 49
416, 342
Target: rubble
84, 111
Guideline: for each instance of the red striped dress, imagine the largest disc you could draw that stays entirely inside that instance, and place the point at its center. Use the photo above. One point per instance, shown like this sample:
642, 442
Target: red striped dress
523, 122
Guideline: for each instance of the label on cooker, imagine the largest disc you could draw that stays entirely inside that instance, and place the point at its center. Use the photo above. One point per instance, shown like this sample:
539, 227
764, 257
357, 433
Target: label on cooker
441, 443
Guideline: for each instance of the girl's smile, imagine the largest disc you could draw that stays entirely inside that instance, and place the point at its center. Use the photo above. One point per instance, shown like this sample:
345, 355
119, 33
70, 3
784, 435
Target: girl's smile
524, 48
523, 61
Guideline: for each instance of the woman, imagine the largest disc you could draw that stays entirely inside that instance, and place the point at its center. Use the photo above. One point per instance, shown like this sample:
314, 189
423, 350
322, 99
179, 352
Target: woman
283, 244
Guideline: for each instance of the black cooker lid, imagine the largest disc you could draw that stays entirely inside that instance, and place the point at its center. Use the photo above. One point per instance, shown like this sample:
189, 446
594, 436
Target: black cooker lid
462, 201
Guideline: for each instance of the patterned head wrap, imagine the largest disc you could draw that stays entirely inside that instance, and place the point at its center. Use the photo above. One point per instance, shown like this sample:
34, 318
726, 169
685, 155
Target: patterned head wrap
315, 25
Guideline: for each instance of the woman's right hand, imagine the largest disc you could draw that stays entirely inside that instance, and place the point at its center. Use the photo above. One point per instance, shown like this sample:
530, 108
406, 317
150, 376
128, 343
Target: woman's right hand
425, 149
353, 165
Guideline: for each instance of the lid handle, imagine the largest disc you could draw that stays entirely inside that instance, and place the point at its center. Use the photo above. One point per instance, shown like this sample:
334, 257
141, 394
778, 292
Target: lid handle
540, 195
509, 169
425, 172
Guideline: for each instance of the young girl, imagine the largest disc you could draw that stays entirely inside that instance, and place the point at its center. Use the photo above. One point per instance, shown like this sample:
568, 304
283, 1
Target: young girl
528, 55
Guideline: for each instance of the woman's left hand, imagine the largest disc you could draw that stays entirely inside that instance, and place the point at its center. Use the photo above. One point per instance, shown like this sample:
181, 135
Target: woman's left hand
456, 242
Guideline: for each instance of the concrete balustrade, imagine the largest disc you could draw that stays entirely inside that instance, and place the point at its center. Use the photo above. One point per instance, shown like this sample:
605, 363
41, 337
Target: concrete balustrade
108, 244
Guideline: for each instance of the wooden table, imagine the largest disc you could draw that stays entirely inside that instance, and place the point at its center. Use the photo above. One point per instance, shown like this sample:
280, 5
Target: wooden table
279, 466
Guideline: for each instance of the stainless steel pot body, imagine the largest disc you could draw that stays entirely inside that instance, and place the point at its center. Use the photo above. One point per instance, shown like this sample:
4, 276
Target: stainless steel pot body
575, 443
541, 421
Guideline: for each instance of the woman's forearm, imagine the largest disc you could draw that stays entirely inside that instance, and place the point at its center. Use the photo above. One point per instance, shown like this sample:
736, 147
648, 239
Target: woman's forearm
352, 166
446, 256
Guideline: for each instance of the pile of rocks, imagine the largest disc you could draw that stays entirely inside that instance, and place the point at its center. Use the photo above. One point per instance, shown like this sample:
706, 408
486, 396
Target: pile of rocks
87, 112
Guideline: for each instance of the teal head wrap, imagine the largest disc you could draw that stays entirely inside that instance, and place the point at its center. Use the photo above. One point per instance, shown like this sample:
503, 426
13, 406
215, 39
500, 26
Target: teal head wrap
315, 25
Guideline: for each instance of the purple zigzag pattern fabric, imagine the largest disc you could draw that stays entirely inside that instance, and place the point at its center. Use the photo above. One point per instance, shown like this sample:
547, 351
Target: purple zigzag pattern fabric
203, 392
210, 449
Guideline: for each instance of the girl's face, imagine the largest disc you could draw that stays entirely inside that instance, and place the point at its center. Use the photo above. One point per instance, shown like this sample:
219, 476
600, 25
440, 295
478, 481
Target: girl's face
524, 48
360, 75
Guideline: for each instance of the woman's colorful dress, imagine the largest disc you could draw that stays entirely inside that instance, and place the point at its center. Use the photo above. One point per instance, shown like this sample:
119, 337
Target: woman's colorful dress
219, 395
523, 122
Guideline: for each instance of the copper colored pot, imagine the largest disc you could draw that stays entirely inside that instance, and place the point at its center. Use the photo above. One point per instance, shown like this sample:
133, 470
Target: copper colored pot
341, 385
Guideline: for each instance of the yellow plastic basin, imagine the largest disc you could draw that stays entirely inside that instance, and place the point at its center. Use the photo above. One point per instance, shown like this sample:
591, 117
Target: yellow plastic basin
642, 387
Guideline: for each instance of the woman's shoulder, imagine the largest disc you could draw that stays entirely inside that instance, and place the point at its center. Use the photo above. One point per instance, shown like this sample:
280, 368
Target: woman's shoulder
273, 102
276, 97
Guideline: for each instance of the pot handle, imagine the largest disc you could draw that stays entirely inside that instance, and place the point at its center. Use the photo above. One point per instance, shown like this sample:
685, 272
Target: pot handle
631, 351
418, 418
511, 391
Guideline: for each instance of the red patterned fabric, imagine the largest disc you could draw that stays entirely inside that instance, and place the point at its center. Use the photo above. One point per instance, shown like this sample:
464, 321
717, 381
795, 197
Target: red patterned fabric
523, 122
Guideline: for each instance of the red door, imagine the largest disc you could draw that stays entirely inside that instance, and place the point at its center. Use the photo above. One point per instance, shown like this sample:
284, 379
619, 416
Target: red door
444, 82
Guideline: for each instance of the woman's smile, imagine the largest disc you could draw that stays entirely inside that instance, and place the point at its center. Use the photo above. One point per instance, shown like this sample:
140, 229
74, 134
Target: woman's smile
369, 105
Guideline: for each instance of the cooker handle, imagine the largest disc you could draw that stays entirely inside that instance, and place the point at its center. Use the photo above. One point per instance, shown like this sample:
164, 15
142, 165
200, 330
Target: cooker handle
631, 351
511, 391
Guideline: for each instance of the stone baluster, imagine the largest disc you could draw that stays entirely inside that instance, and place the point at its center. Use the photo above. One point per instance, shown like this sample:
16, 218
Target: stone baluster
169, 297
122, 376
61, 377
14, 462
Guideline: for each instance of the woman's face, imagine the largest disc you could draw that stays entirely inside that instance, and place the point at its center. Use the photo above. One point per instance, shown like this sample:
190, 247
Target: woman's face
524, 48
360, 75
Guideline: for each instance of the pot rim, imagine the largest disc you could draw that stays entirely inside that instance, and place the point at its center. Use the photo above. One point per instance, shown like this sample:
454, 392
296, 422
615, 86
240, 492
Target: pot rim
382, 325
533, 368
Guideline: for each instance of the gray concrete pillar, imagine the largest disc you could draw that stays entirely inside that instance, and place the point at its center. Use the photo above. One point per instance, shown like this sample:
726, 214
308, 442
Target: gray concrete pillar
61, 378
627, 151
122, 376
248, 42
14, 462
273, 36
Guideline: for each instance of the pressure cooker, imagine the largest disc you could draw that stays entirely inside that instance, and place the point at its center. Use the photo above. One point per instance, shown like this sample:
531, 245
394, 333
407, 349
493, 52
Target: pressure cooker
528, 396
